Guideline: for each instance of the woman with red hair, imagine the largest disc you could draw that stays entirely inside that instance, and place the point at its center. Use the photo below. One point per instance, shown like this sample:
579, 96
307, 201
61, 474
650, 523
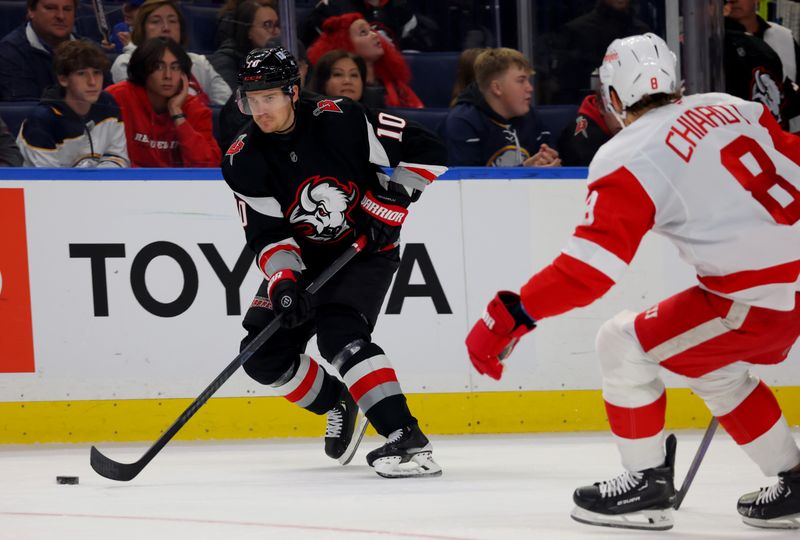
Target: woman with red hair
385, 65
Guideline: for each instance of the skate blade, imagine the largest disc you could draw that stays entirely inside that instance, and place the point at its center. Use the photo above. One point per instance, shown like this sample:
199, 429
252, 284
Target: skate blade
419, 465
358, 433
785, 522
651, 520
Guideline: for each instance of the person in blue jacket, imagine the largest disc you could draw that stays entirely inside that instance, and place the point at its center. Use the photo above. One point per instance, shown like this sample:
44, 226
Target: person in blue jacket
26, 53
492, 123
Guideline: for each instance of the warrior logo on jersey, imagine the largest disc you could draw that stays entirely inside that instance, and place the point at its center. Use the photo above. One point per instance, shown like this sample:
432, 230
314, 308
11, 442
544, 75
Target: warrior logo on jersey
322, 207
327, 105
764, 89
235, 147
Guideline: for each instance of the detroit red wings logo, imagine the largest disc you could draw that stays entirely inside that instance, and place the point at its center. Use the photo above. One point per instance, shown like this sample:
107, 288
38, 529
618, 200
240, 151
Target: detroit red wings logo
321, 210
235, 147
580, 126
327, 105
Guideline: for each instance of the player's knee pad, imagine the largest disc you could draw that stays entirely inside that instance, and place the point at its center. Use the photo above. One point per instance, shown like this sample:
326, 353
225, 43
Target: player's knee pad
269, 368
725, 388
622, 360
337, 326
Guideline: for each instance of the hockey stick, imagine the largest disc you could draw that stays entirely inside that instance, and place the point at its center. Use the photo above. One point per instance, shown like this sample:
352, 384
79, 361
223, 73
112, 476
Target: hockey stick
698, 458
123, 472
102, 21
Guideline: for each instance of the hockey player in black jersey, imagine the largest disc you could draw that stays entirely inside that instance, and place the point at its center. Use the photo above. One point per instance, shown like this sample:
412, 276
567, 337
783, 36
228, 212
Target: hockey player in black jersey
308, 180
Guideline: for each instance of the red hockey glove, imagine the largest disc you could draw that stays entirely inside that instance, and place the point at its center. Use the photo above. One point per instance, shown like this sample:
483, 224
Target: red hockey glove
495, 335
288, 299
383, 213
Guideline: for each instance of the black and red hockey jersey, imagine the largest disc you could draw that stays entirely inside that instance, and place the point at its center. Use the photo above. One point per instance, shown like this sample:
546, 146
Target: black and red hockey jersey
298, 194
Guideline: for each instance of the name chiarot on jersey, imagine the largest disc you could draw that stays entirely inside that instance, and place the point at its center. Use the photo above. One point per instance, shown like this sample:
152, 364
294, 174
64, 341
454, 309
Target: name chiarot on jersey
690, 127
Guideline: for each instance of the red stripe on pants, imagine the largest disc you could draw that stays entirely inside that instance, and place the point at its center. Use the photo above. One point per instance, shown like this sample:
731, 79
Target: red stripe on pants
306, 385
637, 422
371, 380
752, 417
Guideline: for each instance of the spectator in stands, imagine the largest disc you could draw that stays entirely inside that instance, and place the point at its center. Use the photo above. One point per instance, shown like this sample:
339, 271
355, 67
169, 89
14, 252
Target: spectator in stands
165, 125
491, 124
394, 19
465, 73
121, 32
388, 74
76, 124
254, 24
157, 18
339, 73
229, 19
26, 54
9, 152
579, 47
776, 36
593, 127
780, 40
753, 70
231, 119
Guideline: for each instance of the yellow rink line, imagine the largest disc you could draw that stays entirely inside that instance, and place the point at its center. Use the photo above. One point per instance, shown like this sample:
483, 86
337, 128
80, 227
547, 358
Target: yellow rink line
245, 418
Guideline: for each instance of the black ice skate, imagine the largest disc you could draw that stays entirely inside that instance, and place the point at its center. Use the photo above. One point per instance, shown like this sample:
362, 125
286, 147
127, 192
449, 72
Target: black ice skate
774, 507
632, 500
407, 453
345, 428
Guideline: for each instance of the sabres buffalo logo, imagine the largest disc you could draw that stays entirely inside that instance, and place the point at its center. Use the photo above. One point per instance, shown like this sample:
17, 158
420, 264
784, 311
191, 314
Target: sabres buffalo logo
322, 207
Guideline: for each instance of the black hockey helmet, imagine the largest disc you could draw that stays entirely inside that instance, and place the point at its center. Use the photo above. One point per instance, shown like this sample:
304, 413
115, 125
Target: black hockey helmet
269, 68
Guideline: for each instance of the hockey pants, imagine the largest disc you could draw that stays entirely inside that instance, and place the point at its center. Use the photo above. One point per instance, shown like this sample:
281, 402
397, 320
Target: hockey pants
712, 341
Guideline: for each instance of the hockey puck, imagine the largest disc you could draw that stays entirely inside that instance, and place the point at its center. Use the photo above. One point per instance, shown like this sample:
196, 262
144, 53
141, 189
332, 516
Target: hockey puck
69, 480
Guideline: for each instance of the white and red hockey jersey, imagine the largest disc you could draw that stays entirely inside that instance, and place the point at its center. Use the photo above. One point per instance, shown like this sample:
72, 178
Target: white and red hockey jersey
714, 174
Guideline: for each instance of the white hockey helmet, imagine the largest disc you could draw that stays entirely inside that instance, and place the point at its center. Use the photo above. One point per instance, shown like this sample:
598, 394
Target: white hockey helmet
635, 67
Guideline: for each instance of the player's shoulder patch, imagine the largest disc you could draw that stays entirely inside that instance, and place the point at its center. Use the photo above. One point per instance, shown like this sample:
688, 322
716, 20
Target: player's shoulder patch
236, 146
328, 105
581, 125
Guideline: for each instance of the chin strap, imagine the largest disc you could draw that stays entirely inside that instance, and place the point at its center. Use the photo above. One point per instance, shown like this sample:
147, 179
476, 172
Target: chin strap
294, 117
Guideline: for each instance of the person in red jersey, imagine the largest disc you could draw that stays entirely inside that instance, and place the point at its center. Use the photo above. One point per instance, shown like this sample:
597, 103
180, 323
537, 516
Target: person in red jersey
718, 177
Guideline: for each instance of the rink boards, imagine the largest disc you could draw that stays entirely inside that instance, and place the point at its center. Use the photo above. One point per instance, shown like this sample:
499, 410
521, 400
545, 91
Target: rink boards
121, 296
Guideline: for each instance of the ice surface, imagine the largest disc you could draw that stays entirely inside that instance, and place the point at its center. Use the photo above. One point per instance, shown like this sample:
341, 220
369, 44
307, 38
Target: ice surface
493, 487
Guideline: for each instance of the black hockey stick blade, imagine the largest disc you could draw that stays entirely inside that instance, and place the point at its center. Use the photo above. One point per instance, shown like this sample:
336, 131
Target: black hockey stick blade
698, 458
114, 470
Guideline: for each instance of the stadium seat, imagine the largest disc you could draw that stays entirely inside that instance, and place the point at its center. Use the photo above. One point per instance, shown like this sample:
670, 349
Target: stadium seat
201, 22
431, 118
12, 14
432, 76
14, 112
555, 118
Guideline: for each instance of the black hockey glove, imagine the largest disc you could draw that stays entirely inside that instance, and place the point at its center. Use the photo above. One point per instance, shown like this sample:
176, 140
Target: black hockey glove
382, 215
289, 299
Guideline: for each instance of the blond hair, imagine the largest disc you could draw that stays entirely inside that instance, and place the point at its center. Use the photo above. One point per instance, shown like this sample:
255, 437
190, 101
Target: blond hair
492, 63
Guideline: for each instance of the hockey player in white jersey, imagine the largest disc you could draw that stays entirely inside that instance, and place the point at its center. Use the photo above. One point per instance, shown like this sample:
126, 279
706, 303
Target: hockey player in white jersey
718, 177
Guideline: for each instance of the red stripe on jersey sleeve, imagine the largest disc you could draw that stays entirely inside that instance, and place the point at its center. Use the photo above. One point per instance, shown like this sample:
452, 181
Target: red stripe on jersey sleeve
620, 214
564, 285
267, 255
785, 143
430, 176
